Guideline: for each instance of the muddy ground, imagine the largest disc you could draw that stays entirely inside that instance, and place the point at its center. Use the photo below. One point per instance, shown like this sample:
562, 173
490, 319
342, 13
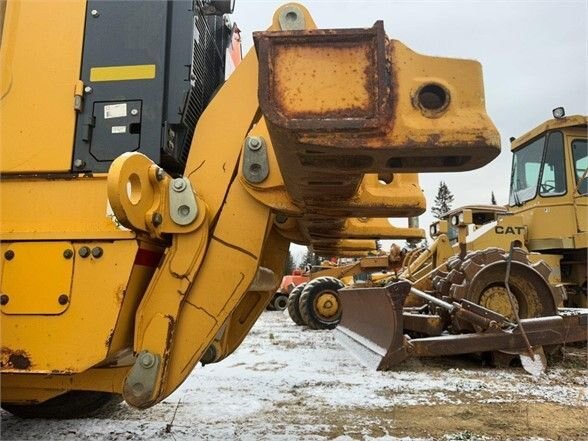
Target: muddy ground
290, 383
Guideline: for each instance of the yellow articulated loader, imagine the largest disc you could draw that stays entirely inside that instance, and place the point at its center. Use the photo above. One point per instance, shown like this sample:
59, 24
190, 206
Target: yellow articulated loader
496, 279
147, 205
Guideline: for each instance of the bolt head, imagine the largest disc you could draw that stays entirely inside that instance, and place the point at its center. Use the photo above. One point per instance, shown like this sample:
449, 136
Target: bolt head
79, 163
147, 360
95, 13
4, 299
68, 254
84, 252
9, 255
156, 219
134, 112
63, 299
254, 143
160, 174
183, 210
179, 184
88, 89
97, 252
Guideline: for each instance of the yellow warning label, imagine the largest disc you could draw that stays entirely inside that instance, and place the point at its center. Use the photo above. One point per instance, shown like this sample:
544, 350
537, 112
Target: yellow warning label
123, 73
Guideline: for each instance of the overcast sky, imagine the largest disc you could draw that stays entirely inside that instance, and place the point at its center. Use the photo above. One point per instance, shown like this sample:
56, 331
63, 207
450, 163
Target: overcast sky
534, 56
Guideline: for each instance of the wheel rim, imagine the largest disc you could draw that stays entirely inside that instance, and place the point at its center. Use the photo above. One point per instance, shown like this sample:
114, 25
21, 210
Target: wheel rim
326, 305
532, 293
496, 299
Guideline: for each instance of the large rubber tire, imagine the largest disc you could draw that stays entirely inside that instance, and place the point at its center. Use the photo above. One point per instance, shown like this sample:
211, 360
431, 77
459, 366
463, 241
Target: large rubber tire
73, 404
310, 298
294, 304
280, 302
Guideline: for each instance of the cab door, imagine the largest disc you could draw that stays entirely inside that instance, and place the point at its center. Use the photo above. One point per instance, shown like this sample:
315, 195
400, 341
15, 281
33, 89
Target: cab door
579, 162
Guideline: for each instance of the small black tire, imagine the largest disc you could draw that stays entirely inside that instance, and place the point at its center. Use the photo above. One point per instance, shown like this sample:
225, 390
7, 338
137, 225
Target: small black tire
280, 302
311, 296
294, 304
270, 305
72, 404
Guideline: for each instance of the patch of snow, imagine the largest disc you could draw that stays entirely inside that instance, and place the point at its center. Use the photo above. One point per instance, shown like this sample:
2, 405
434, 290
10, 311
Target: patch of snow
286, 382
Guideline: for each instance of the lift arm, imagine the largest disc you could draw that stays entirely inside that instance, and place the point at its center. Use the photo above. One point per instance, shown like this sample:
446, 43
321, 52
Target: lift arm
313, 125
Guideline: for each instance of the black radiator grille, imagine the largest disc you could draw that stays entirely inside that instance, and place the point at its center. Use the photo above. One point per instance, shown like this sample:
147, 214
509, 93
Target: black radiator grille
207, 71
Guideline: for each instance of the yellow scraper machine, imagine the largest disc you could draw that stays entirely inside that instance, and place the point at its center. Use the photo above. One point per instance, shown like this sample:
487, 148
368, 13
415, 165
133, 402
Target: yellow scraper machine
148, 204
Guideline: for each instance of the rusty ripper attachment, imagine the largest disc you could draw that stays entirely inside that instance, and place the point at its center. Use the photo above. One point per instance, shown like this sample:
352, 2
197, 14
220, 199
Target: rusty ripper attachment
379, 337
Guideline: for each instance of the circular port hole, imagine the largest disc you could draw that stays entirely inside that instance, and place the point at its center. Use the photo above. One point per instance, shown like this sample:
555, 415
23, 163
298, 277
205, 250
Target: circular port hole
385, 178
433, 97
291, 16
134, 189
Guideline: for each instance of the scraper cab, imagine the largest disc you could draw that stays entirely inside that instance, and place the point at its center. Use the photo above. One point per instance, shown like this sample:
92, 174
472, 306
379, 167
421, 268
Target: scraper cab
149, 258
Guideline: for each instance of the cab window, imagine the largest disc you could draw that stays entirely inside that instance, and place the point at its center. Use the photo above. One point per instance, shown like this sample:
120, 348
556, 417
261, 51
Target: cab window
553, 171
580, 156
526, 167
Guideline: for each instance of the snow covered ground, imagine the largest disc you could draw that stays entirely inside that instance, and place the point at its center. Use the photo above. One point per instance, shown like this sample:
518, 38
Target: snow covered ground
290, 383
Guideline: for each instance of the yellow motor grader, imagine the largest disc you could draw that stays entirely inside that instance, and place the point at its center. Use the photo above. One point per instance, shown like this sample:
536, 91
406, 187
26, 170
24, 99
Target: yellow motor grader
494, 277
147, 204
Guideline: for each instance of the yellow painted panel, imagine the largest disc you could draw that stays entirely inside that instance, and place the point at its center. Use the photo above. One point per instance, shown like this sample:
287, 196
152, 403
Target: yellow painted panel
37, 209
36, 277
123, 73
40, 61
80, 337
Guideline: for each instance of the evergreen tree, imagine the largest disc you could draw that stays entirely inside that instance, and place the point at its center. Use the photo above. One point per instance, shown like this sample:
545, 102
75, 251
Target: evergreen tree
493, 199
309, 259
443, 201
290, 264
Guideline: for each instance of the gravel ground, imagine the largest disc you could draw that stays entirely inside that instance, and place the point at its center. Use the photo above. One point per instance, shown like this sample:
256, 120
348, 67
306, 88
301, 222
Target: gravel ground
290, 383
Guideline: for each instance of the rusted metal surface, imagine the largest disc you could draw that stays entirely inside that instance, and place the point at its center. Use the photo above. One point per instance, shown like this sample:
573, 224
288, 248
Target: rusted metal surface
540, 331
302, 69
479, 278
371, 326
423, 324
345, 109
14, 359
375, 327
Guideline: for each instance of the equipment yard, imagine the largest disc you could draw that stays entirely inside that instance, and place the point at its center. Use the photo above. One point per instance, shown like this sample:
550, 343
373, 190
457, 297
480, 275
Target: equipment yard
290, 383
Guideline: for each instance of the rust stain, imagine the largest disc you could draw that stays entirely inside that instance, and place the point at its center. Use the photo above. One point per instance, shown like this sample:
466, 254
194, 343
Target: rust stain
120, 293
109, 338
15, 359
375, 107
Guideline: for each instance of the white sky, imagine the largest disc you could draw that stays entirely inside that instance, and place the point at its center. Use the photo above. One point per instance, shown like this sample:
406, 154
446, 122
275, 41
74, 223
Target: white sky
534, 56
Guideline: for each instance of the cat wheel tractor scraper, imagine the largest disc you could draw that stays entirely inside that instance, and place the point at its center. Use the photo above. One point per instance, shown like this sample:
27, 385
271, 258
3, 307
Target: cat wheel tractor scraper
145, 216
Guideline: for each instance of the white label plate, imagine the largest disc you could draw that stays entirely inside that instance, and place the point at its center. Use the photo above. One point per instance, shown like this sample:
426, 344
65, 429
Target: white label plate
115, 111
